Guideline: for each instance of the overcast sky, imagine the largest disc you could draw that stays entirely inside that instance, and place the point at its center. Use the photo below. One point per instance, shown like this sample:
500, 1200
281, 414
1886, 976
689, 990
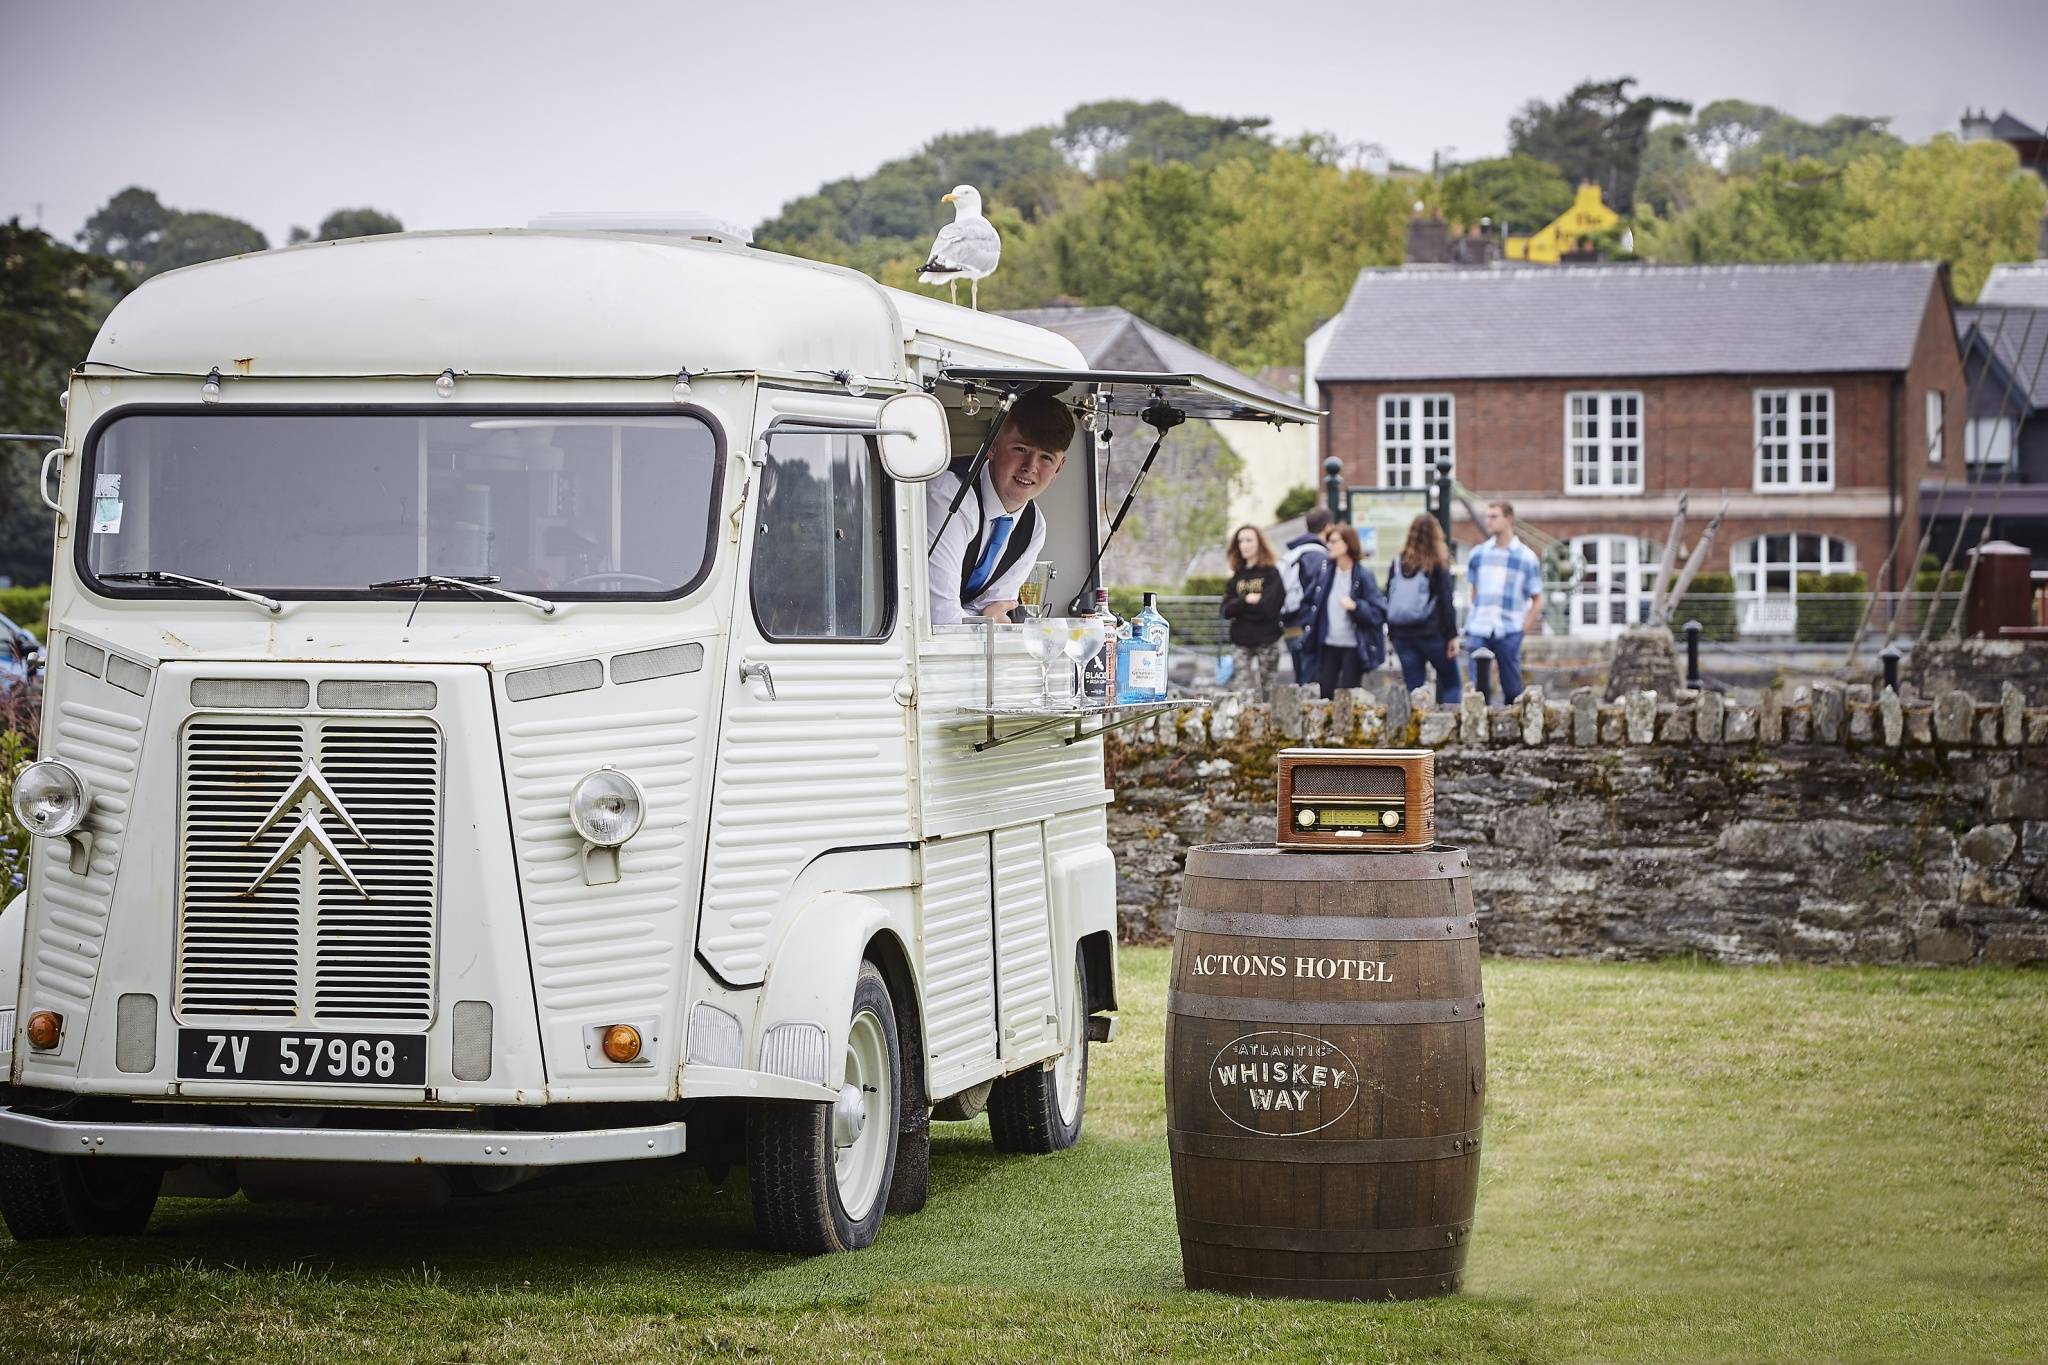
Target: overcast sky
459, 113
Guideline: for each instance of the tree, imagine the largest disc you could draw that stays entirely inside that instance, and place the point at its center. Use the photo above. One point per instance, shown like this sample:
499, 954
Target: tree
1969, 204
1518, 192
1738, 136
1786, 212
190, 238
1596, 133
1289, 238
1143, 243
51, 305
1107, 138
365, 222
127, 227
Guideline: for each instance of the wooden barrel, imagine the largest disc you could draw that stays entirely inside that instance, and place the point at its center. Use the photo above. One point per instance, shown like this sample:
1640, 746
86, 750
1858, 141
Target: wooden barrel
1325, 1067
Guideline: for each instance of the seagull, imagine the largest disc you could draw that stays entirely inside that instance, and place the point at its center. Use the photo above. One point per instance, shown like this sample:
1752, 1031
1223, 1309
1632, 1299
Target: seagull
965, 249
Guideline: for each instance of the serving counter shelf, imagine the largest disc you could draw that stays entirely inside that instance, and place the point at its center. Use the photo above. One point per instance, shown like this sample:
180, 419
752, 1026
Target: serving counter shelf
1111, 716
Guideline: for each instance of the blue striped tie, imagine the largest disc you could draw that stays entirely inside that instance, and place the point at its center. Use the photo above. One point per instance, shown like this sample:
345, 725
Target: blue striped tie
999, 536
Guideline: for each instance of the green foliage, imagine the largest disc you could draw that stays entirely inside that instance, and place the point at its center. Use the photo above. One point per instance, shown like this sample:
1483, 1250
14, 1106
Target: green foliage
17, 747
1596, 132
1295, 503
1835, 616
190, 238
1145, 243
1970, 204
1929, 578
29, 608
1290, 236
1108, 138
1739, 137
51, 302
1710, 600
1519, 193
1205, 585
364, 222
127, 227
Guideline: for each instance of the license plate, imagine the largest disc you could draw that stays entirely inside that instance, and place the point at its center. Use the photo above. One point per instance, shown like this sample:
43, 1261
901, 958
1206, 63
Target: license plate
324, 1058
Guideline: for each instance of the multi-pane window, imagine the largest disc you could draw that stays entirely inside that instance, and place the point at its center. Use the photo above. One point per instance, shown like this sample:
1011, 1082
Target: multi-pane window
1936, 408
821, 555
1795, 439
1767, 570
1415, 433
1603, 438
1988, 440
1615, 584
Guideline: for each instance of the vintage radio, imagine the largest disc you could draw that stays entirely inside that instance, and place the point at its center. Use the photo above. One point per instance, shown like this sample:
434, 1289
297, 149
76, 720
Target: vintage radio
1357, 798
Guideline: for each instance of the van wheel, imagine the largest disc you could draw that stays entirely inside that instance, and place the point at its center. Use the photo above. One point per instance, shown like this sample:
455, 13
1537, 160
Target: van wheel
1039, 1110
71, 1196
820, 1173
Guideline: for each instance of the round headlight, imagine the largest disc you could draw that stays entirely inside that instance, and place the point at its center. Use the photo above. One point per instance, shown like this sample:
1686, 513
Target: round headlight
607, 808
50, 798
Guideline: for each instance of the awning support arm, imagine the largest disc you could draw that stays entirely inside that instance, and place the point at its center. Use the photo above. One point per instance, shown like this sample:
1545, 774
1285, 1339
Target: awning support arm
974, 470
1164, 418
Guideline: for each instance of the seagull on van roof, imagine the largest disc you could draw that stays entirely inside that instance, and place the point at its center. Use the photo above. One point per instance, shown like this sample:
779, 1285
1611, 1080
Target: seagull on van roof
965, 249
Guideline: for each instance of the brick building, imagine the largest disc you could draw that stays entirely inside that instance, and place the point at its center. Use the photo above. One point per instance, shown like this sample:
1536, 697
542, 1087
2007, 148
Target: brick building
1815, 398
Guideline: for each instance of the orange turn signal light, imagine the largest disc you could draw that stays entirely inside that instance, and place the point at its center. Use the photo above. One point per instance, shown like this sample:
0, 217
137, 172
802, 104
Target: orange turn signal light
45, 1027
622, 1042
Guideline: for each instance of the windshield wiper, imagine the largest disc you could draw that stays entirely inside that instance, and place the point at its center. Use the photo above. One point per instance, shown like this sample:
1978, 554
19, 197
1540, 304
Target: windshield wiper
482, 584
162, 576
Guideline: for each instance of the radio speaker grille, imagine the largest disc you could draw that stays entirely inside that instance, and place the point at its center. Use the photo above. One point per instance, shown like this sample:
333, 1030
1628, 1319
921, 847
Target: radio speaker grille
1349, 780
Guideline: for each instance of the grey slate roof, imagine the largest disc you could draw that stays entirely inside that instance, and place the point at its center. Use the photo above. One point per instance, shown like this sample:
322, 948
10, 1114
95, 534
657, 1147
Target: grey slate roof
1117, 339
1597, 321
2025, 285
2019, 338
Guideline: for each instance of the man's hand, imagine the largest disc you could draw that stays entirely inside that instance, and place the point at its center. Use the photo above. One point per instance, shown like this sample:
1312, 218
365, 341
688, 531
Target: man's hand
1451, 649
1533, 622
998, 611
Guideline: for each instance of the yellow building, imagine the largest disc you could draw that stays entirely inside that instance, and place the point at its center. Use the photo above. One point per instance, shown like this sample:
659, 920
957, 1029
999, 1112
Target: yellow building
1587, 217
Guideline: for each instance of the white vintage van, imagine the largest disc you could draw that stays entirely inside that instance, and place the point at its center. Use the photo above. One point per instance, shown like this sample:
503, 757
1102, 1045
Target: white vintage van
493, 723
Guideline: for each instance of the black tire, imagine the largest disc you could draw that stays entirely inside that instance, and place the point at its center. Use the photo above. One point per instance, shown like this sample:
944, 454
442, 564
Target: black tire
44, 1196
1025, 1113
791, 1159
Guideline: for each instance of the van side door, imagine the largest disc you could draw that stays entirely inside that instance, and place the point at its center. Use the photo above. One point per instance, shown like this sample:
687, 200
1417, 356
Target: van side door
814, 745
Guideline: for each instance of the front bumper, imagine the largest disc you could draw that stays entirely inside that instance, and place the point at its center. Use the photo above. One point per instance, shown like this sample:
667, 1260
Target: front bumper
429, 1146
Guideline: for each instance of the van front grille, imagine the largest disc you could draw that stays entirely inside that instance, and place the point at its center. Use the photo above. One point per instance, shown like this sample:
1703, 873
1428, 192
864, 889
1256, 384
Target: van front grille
343, 926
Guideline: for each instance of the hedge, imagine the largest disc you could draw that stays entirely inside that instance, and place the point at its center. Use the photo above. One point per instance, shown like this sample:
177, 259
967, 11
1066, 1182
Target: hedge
1836, 615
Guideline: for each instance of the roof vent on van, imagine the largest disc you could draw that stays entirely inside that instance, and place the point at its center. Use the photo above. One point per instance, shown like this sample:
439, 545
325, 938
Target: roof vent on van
692, 223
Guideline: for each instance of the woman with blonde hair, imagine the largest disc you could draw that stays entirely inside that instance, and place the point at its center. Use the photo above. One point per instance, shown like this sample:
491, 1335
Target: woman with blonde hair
1421, 622
1251, 603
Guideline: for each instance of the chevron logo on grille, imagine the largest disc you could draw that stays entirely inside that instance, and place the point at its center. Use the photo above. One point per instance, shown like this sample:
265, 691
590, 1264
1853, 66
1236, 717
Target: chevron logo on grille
308, 795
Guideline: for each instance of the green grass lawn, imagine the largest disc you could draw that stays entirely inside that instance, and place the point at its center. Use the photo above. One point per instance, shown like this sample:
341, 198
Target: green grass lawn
1681, 1163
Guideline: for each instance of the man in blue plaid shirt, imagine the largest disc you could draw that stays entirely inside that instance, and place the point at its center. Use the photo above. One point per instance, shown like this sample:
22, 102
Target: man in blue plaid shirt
1507, 598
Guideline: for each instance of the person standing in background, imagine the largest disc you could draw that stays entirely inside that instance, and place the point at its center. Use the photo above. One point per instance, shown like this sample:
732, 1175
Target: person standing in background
1422, 624
1300, 567
1507, 597
1344, 618
1252, 603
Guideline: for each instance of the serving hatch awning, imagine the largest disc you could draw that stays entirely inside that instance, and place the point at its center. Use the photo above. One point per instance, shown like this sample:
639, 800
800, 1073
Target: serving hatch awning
1129, 392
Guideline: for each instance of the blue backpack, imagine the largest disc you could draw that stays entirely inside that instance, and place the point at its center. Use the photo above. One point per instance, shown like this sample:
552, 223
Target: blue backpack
1408, 597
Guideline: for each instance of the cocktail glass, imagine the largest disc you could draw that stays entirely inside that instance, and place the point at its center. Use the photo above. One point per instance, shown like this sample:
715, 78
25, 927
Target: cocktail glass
1085, 637
1042, 638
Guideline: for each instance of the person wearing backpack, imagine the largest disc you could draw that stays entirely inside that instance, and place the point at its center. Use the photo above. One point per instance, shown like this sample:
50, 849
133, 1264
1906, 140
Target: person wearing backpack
1422, 625
1343, 616
1301, 566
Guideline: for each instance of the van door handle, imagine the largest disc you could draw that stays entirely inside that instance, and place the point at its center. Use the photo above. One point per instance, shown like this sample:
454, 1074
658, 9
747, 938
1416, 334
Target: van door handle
750, 669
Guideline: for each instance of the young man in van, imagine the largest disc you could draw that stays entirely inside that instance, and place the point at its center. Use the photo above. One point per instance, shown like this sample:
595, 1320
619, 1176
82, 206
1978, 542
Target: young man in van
987, 550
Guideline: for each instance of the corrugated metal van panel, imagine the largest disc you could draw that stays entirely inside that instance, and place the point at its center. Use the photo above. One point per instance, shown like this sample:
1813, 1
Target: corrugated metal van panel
956, 940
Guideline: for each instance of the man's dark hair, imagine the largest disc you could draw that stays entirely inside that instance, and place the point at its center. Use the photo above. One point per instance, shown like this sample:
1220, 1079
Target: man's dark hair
1044, 421
1318, 520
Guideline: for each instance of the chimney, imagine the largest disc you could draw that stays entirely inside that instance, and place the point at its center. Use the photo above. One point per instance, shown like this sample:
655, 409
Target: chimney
1429, 241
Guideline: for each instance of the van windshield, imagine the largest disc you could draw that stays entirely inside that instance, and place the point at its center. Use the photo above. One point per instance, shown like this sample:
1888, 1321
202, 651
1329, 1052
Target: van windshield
330, 502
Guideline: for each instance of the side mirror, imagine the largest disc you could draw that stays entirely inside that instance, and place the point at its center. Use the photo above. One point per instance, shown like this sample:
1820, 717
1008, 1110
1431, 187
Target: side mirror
916, 445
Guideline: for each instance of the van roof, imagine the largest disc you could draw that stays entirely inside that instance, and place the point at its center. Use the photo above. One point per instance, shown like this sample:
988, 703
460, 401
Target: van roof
526, 302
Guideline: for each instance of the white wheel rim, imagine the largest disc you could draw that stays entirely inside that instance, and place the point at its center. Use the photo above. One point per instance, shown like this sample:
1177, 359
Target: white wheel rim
1066, 1072
857, 1167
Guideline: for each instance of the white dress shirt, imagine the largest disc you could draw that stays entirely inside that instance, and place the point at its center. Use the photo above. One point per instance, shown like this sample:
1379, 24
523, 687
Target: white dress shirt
946, 567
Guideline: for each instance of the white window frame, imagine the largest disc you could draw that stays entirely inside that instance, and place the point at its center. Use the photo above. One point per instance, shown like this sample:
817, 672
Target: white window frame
1758, 609
1616, 586
1427, 425
1799, 450
1987, 442
1599, 448
1937, 421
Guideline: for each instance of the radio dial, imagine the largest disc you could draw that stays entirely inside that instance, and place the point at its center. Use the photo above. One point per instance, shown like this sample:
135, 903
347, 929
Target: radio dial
1390, 818
1305, 818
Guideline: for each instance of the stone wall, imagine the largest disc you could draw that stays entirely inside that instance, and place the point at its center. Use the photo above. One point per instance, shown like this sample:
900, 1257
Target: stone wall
1822, 825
